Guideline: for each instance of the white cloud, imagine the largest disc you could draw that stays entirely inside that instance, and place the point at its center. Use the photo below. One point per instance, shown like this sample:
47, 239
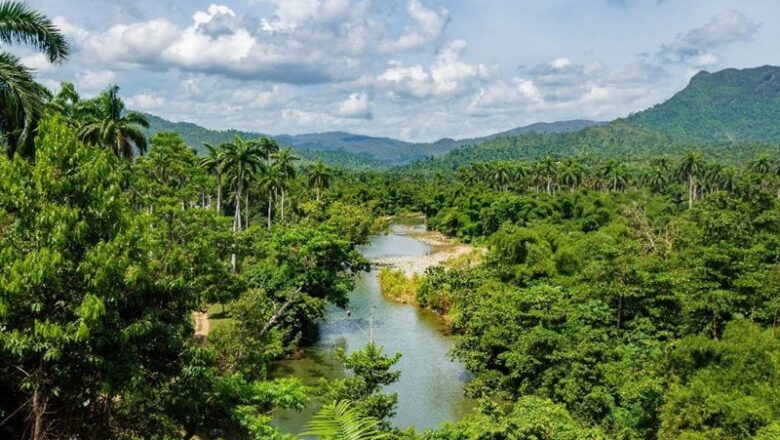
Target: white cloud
92, 81
146, 102
39, 62
357, 106
429, 26
698, 45
306, 41
448, 76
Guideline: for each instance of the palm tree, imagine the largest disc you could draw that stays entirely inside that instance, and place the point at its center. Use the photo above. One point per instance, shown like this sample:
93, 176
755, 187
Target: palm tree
689, 170
762, 166
517, 174
269, 147
214, 162
21, 98
547, 171
66, 102
284, 162
571, 174
500, 176
242, 159
109, 125
728, 180
320, 177
270, 180
342, 421
656, 179
711, 178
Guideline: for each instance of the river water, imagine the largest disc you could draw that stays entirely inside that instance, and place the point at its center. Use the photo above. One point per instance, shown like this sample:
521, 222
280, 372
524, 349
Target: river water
430, 390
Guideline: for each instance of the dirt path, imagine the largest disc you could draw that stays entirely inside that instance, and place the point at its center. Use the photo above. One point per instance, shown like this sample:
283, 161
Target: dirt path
202, 325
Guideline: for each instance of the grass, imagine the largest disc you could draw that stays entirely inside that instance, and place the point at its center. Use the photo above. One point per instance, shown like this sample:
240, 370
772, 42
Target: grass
219, 314
394, 284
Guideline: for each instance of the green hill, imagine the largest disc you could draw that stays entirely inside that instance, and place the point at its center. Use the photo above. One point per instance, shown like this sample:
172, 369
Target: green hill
731, 115
353, 150
731, 105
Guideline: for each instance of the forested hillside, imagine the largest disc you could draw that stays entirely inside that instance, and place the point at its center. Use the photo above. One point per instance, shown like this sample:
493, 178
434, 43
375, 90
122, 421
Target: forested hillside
731, 105
196, 136
353, 151
618, 139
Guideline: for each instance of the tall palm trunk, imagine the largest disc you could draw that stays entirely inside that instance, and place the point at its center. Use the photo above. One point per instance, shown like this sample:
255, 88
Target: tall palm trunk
282, 211
270, 204
219, 193
691, 190
236, 225
246, 208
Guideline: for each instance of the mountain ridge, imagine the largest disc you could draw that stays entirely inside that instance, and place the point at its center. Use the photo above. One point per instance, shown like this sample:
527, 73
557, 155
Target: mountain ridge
358, 147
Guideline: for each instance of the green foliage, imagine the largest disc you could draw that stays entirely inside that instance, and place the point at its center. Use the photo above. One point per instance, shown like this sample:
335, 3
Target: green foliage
105, 122
396, 285
530, 418
95, 300
21, 98
371, 371
341, 421
724, 389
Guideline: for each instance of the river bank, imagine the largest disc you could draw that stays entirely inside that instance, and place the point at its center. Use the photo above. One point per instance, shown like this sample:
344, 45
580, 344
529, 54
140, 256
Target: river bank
400, 277
430, 389
442, 250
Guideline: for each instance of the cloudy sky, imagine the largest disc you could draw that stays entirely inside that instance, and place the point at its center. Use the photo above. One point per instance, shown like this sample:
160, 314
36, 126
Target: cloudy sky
412, 69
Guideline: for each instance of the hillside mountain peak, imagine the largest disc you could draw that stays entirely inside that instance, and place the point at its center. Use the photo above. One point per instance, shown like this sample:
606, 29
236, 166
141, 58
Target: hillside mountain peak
731, 105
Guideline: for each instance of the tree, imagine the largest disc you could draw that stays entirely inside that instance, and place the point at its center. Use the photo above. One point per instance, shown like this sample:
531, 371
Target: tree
108, 125
270, 180
762, 166
214, 162
284, 163
269, 147
21, 98
547, 171
689, 170
242, 159
320, 177
571, 174
371, 371
93, 305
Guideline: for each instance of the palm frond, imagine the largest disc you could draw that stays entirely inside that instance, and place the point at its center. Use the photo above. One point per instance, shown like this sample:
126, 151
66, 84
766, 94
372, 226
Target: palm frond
341, 421
20, 24
22, 103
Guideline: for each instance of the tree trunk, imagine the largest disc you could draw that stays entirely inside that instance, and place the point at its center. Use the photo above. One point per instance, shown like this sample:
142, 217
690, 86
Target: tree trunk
219, 193
270, 204
236, 226
690, 191
282, 205
38, 408
246, 209
317, 188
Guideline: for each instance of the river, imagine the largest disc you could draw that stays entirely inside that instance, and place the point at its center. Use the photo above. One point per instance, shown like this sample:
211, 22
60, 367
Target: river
430, 390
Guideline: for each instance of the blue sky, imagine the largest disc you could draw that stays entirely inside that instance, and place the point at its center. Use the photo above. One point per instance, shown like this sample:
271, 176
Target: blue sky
411, 69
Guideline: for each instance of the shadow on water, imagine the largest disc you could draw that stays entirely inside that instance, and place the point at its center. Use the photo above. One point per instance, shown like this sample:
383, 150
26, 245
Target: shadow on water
430, 390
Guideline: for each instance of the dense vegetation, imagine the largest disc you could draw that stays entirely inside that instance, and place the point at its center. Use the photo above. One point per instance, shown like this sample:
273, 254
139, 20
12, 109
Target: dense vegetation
615, 301
618, 299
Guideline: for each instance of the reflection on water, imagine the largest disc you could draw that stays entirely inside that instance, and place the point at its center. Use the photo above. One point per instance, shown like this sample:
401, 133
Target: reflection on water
430, 390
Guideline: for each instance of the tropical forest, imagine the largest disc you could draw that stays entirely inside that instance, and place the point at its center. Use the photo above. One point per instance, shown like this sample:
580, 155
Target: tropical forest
173, 266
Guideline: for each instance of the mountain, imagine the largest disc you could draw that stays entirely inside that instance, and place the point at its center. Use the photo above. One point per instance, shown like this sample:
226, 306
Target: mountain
353, 150
732, 115
732, 105
445, 145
